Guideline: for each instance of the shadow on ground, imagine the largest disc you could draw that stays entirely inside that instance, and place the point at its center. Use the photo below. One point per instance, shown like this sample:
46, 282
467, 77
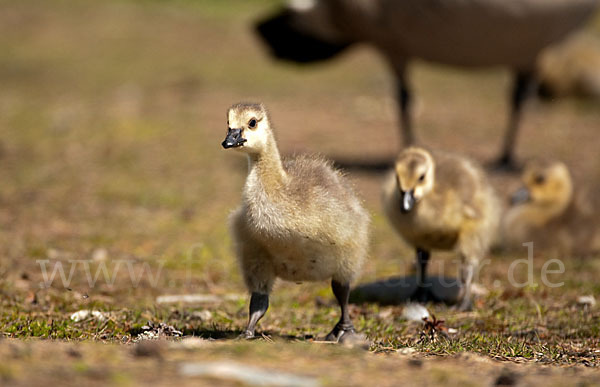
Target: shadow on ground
225, 335
398, 290
374, 165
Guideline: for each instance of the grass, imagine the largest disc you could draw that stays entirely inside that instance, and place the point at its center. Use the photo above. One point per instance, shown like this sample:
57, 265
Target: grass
111, 117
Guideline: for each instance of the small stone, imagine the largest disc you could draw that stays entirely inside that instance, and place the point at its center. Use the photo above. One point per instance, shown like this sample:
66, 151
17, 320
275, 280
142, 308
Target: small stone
479, 290
406, 351
586, 300
53, 254
385, 313
202, 315
99, 255
85, 314
415, 312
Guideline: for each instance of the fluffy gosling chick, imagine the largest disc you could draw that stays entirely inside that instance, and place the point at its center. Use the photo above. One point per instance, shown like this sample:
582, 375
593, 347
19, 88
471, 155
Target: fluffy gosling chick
548, 212
299, 220
571, 69
441, 201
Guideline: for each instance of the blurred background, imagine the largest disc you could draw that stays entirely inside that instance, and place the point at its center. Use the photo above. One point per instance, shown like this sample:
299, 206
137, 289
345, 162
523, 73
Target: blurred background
111, 117
112, 114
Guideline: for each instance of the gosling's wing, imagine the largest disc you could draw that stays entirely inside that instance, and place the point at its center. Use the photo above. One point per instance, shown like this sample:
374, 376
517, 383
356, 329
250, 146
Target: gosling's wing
460, 179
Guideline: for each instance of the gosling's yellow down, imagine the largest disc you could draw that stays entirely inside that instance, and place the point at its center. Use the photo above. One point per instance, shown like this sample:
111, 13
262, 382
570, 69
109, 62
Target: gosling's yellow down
299, 220
441, 201
550, 212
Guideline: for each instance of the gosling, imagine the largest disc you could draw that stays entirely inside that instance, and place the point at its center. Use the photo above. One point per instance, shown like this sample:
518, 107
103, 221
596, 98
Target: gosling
571, 69
548, 212
299, 220
442, 201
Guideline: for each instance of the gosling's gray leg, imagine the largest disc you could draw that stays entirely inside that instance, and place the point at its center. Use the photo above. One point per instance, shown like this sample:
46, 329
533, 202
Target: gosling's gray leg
259, 303
423, 292
466, 279
344, 327
522, 86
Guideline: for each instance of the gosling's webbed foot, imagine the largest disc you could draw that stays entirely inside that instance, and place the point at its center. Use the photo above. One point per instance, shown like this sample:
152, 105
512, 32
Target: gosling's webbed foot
259, 303
246, 335
346, 334
340, 331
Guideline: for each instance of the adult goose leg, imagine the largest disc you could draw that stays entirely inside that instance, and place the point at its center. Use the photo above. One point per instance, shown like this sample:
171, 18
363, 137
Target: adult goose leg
403, 94
523, 83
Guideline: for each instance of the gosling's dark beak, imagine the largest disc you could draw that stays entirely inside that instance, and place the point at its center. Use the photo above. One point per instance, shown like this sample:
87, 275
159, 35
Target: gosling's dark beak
520, 196
233, 139
408, 201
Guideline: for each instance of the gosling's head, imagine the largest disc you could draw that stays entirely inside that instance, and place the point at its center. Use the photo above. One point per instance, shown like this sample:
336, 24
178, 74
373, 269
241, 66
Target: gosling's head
415, 176
545, 183
247, 128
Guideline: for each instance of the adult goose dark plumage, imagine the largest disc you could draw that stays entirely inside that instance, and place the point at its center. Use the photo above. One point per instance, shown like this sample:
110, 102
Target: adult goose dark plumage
468, 33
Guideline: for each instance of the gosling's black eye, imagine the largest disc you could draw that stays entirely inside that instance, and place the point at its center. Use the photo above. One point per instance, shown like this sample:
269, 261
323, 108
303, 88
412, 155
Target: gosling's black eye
422, 177
539, 179
252, 123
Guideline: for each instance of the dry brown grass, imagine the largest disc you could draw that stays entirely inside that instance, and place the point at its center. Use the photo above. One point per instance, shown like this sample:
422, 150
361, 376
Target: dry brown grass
111, 116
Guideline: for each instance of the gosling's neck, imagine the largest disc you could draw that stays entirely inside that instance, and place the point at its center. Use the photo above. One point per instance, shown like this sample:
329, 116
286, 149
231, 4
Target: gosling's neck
268, 167
555, 209
542, 212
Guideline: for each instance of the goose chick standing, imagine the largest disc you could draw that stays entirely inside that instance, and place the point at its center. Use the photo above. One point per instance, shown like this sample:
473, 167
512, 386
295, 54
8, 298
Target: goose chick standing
441, 202
299, 220
550, 212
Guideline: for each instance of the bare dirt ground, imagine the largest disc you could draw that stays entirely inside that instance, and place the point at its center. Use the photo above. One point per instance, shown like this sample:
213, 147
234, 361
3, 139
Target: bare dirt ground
111, 118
